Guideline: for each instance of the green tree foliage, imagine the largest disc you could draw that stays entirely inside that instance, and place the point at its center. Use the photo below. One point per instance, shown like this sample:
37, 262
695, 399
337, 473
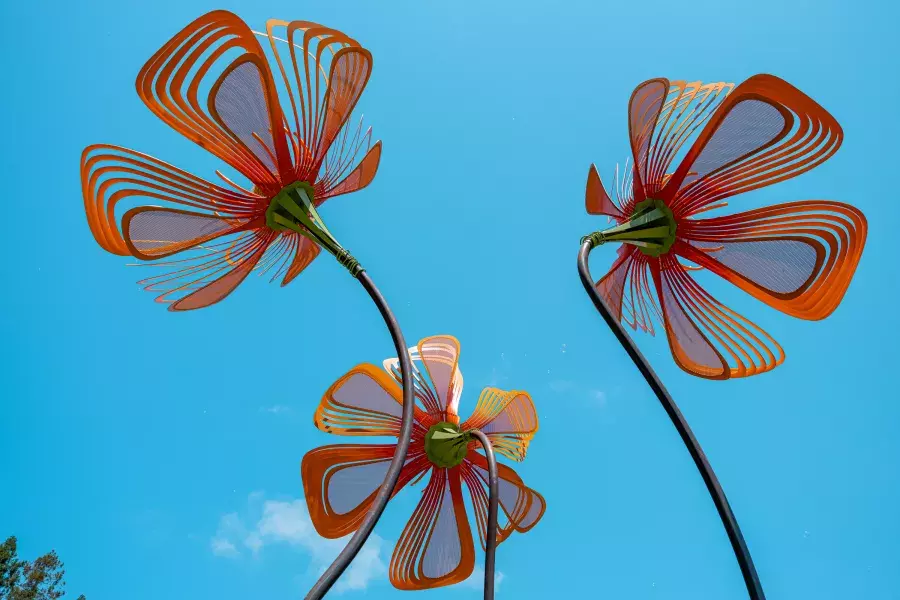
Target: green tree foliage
23, 580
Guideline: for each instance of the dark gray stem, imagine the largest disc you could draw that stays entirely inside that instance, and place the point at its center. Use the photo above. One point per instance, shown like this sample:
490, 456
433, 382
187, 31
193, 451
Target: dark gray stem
751, 579
490, 551
359, 538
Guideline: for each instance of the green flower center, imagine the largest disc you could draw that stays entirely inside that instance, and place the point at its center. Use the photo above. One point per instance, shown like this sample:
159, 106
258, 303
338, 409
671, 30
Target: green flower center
651, 229
446, 445
294, 209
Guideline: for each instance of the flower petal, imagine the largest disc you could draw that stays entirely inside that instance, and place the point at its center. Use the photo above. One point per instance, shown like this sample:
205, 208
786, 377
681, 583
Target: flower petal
436, 547
210, 272
111, 174
766, 131
152, 232
597, 201
365, 401
305, 252
708, 339
242, 122
522, 506
644, 107
359, 178
626, 290
330, 72
340, 483
508, 418
797, 257
438, 393
687, 106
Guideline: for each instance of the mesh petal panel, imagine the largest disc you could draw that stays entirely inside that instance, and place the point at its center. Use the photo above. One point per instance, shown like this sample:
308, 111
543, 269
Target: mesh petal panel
782, 266
340, 481
365, 401
349, 486
751, 125
162, 232
797, 257
436, 547
707, 338
444, 549
241, 104
643, 111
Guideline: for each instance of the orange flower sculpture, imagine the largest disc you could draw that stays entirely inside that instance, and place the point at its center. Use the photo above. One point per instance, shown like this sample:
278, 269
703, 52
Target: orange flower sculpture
294, 159
340, 481
797, 257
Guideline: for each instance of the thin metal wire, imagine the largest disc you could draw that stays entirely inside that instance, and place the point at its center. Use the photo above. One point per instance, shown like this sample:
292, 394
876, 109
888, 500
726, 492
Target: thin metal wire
490, 551
359, 538
751, 579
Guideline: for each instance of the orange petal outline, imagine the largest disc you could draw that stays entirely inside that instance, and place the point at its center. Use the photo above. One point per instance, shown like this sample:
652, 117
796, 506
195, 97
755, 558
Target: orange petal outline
791, 134
687, 107
626, 290
340, 483
436, 548
112, 174
438, 394
356, 180
522, 506
365, 401
597, 201
440, 356
169, 83
304, 252
509, 419
706, 338
818, 244
330, 71
210, 272
644, 108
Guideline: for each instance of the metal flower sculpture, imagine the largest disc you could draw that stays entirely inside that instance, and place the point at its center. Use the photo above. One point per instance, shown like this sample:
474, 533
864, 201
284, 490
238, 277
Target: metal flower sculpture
294, 160
436, 547
294, 156
798, 257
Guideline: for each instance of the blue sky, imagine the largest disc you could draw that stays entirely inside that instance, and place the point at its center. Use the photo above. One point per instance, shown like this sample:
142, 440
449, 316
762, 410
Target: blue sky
159, 453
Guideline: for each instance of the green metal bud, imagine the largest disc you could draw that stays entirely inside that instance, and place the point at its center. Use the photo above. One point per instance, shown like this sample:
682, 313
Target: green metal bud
651, 228
293, 209
446, 445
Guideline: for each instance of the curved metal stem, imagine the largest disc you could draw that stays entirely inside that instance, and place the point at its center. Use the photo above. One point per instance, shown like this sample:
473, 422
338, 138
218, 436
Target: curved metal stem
751, 579
490, 551
359, 538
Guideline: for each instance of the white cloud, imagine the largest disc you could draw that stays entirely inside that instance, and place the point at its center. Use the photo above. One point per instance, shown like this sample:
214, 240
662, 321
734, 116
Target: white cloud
476, 579
288, 523
276, 409
222, 547
254, 543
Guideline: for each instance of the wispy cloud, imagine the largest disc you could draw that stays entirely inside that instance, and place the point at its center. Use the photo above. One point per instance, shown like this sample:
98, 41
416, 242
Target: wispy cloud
287, 522
222, 547
476, 579
276, 409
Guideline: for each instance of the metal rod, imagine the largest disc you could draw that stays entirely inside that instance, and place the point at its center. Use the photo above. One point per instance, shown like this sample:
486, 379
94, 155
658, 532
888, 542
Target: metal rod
490, 550
359, 538
751, 579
